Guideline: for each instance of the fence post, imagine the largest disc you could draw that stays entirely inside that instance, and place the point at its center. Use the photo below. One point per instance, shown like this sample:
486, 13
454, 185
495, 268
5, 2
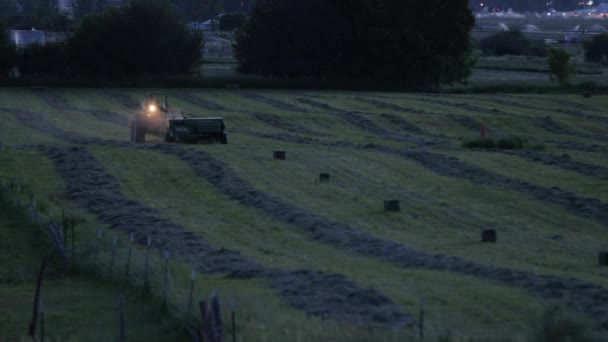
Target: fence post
218, 331
35, 210
233, 318
129, 259
421, 320
121, 317
113, 254
32, 330
166, 283
64, 226
146, 284
73, 242
41, 312
192, 278
97, 247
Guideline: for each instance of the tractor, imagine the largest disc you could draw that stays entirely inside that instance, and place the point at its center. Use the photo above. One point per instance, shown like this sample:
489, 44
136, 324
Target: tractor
157, 119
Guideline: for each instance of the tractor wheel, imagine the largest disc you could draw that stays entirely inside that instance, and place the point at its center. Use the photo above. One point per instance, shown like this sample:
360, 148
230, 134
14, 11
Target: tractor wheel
169, 138
223, 139
138, 134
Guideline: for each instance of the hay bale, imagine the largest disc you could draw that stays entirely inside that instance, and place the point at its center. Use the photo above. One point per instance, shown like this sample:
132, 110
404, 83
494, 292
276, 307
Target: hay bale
391, 205
280, 155
324, 177
488, 235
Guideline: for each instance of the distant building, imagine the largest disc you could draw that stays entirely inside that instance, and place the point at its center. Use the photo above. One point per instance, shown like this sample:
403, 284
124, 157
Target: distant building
28, 37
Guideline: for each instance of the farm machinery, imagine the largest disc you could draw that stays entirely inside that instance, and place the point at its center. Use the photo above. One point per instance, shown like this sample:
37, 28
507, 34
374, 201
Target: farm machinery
156, 118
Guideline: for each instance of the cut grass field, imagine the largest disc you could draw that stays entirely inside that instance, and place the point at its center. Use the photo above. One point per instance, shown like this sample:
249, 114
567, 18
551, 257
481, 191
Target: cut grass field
548, 209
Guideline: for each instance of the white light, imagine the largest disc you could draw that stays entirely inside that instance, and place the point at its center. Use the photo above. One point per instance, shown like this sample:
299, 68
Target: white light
152, 108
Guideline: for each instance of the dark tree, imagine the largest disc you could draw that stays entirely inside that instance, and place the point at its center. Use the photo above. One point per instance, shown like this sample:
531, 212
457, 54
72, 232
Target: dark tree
198, 10
596, 49
232, 21
7, 51
420, 43
145, 37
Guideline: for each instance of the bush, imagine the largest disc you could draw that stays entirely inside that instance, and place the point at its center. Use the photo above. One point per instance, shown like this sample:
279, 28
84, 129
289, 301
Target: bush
389, 40
596, 49
145, 37
512, 42
48, 59
560, 67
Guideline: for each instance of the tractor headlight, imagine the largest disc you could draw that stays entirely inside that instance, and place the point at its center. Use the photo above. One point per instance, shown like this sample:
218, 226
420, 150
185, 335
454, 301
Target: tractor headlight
152, 108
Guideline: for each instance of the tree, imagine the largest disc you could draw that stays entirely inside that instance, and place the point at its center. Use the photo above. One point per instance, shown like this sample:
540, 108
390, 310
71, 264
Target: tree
81, 8
560, 67
7, 51
8, 8
419, 43
596, 49
232, 21
198, 10
145, 37
512, 42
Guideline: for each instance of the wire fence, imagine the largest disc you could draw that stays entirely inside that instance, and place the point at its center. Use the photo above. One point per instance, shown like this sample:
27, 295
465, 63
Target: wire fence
120, 261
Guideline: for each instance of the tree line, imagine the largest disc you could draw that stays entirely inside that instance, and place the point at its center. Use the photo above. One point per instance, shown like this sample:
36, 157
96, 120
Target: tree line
526, 5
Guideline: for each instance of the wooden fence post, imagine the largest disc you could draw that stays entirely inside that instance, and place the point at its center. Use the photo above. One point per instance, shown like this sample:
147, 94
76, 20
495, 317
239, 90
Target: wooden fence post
113, 255
73, 243
421, 320
97, 247
41, 312
233, 319
121, 317
192, 278
166, 282
218, 330
129, 259
146, 284
32, 327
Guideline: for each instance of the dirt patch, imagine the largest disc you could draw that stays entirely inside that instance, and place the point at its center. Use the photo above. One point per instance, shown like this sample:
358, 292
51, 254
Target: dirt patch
199, 102
563, 161
331, 296
124, 99
279, 104
592, 298
55, 101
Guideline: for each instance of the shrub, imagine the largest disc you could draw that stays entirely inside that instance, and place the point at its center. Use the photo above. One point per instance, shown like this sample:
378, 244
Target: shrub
512, 42
596, 49
145, 37
560, 67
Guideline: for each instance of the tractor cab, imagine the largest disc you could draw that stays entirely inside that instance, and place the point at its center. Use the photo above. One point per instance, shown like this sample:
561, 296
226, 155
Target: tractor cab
156, 104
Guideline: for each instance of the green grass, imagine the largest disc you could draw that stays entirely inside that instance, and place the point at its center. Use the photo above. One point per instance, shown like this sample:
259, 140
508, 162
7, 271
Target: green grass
438, 213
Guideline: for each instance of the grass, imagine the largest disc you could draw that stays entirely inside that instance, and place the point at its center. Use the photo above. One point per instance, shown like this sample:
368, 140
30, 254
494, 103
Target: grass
439, 214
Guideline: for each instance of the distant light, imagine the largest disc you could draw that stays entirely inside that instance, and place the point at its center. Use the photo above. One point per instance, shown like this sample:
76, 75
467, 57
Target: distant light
590, 3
